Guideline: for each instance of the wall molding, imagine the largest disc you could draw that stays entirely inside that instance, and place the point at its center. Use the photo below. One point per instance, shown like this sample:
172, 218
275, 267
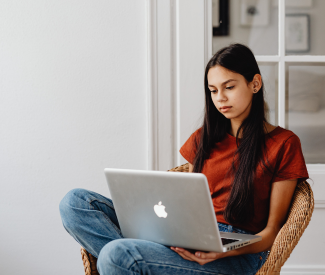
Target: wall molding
174, 71
161, 84
319, 203
303, 269
152, 84
208, 29
317, 175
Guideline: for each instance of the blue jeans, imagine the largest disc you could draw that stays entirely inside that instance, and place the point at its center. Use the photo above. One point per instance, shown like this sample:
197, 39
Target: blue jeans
91, 220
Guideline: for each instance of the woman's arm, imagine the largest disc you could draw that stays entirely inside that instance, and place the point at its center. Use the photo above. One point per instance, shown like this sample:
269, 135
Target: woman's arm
281, 196
190, 168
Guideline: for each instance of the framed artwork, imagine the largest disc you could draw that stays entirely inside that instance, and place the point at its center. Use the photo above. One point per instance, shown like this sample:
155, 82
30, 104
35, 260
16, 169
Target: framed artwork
254, 12
297, 33
220, 17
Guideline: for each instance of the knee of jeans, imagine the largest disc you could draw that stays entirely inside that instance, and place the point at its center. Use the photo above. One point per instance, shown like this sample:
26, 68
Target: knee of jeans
117, 253
71, 200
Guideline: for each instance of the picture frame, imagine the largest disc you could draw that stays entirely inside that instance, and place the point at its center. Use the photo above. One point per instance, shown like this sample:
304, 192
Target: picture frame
297, 33
220, 18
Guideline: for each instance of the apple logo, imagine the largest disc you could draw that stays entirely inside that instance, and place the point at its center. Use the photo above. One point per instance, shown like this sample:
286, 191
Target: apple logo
160, 210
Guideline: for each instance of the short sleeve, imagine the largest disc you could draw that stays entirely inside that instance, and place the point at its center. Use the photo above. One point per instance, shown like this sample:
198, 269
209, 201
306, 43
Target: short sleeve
188, 150
291, 162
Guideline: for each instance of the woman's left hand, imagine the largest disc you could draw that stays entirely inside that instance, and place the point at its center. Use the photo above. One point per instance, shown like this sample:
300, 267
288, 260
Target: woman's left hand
199, 257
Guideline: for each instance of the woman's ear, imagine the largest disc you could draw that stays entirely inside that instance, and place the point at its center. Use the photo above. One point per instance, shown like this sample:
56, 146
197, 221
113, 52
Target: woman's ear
256, 83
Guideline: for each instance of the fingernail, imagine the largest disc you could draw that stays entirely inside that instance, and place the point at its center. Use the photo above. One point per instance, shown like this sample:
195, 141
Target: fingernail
198, 254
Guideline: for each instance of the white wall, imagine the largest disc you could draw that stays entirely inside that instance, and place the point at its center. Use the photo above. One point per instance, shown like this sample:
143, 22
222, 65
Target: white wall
72, 102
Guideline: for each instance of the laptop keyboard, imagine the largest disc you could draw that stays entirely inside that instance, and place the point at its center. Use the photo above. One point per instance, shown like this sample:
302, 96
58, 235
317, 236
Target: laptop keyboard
227, 241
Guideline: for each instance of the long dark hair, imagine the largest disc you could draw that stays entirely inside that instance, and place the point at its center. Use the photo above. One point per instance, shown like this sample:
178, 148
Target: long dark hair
250, 147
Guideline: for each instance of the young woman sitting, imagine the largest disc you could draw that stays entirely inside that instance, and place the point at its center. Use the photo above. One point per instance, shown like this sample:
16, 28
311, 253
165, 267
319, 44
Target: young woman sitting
252, 169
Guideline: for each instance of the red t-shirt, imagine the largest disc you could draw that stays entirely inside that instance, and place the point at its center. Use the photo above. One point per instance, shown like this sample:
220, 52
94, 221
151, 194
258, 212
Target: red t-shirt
283, 146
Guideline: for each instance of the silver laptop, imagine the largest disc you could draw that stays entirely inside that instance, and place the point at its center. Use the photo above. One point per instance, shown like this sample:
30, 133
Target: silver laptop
170, 208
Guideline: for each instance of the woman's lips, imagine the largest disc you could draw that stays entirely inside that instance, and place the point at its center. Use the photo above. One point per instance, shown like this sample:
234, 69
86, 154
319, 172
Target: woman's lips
225, 109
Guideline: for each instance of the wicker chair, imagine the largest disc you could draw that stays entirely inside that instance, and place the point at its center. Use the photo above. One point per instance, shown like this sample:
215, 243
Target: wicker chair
300, 212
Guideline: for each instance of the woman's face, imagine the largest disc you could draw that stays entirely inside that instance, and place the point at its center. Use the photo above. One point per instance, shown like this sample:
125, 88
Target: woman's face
230, 92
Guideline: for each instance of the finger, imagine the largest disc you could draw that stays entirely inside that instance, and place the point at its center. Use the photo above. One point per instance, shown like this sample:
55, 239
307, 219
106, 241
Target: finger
177, 249
210, 255
203, 255
198, 255
193, 258
181, 254
188, 254
185, 253
184, 256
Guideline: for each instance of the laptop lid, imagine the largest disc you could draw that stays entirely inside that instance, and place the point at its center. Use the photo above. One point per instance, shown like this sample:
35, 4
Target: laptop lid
174, 209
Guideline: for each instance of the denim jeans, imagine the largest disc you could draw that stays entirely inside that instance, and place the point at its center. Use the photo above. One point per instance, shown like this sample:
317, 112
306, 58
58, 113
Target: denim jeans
91, 220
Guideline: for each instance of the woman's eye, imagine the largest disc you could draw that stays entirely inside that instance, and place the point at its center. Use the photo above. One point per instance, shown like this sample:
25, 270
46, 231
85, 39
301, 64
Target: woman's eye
229, 88
214, 91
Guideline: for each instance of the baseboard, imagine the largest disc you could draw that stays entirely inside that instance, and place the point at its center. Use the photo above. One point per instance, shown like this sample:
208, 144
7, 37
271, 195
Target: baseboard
303, 269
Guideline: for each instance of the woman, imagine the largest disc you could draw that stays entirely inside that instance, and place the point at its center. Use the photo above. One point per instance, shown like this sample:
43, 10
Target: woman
252, 169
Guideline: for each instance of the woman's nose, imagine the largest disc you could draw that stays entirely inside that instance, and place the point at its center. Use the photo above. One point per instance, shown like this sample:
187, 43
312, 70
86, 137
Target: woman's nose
221, 97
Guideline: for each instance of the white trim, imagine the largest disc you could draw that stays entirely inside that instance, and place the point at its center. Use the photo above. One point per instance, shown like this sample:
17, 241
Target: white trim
191, 54
303, 270
319, 203
317, 169
267, 58
175, 73
172, 75
178, 88
290, 58
281, 28
304, 58
165, 85
207, 30
152, 85
281, 94
281, 68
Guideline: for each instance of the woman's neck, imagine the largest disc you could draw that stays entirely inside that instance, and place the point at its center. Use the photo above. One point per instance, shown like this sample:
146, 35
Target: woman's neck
236, 124
234, 128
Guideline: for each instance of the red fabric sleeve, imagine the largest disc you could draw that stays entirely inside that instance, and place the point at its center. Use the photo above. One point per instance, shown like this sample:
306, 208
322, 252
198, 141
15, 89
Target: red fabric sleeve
188, 150
291, 161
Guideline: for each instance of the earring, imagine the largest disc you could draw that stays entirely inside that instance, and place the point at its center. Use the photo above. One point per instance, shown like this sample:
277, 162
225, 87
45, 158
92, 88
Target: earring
255, 91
